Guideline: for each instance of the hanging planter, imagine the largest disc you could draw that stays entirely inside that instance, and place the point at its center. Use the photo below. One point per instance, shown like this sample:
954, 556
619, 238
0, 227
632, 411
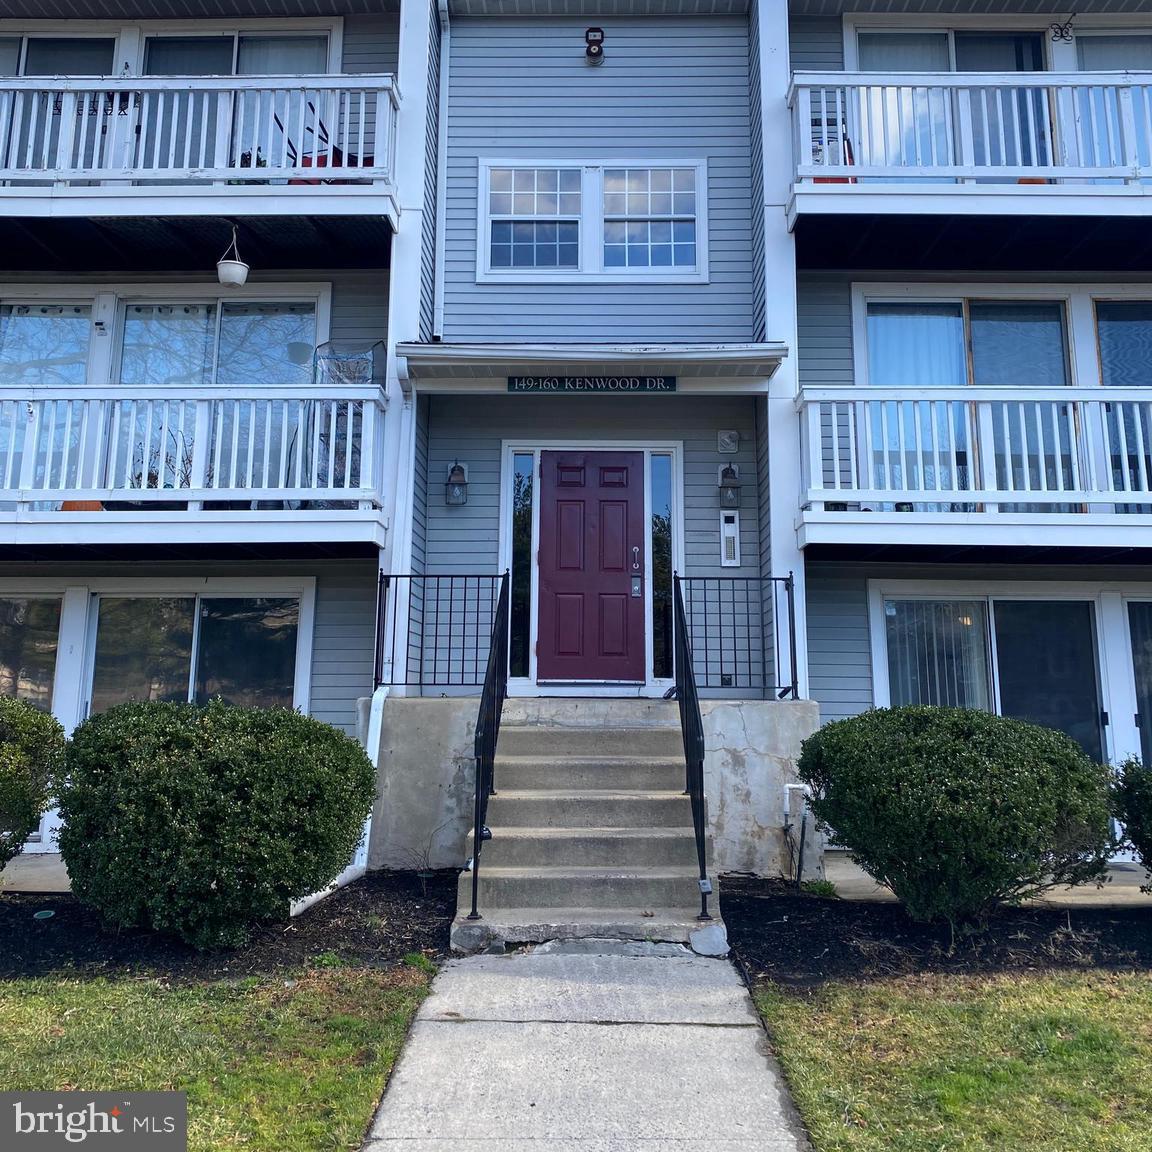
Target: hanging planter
231, 270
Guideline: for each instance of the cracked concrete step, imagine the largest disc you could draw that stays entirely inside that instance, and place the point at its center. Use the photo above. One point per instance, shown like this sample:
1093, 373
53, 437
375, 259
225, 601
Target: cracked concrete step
577, 712
583, 772
593, 742
534, 925
556, 808
671, 886
589, 847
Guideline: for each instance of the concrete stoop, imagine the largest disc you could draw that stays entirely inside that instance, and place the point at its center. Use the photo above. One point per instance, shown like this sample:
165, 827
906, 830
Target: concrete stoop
591, 834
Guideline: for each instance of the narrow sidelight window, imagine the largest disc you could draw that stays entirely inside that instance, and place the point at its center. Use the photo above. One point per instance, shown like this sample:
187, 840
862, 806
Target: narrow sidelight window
661, 486
521, 602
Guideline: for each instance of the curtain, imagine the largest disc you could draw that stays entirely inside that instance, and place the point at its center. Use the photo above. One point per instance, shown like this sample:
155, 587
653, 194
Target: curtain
1018, 343
938, 652
916, 346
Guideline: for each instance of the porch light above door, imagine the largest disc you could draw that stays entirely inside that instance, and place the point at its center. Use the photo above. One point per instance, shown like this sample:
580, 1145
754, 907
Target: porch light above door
729, 479
456, 490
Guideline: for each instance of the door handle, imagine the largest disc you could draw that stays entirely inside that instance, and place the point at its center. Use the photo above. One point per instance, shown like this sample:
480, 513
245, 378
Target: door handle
635, 558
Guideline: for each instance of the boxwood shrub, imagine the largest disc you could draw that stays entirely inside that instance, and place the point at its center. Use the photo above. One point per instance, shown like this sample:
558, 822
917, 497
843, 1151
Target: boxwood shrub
957, 810
31, 757
1133, 802
203, 821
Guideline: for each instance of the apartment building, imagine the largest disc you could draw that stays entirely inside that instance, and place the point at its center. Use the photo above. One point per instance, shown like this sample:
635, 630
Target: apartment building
824, 320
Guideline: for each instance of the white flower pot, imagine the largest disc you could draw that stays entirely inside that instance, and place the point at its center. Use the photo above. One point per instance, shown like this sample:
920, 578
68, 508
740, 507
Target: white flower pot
232, 273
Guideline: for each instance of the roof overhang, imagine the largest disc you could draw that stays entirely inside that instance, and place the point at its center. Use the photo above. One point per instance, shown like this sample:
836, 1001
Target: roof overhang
486, 367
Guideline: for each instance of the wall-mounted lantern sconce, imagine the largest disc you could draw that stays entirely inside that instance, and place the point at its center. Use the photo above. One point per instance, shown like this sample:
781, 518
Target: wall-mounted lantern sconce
456, 490
594, 45
729, 481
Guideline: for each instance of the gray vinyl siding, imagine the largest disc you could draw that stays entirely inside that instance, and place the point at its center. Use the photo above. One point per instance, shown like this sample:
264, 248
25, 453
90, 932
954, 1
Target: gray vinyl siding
420, 487
816, 43
824, 330
672, 88
431, 150
359, 307
471, 429
344, 633
765, 520
759, 286
372, 44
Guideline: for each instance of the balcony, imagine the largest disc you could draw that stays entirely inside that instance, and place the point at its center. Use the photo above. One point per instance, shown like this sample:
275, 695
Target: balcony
134, 465
1044, 143
1026, 467
190, 146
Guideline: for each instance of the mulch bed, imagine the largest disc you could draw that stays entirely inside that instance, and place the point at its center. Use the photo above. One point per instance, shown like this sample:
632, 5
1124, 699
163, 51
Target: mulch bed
376, 922
795, 939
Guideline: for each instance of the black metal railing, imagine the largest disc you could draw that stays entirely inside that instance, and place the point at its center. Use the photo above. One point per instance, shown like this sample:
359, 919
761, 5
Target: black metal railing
742, 633
488, 732
435, 631
692, 729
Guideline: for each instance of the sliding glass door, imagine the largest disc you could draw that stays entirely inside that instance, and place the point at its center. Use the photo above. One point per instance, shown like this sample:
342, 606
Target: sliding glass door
1031, 659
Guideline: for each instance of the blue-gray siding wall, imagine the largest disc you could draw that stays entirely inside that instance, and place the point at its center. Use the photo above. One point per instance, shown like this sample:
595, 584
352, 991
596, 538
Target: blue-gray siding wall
824, 330
359, 306
668, 88
372, 43
431, 149
420, 487
816, 43
759, 287
764, 500
471, 429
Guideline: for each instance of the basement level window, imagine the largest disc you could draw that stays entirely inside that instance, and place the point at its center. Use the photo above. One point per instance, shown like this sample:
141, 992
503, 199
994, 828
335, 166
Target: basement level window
574, 223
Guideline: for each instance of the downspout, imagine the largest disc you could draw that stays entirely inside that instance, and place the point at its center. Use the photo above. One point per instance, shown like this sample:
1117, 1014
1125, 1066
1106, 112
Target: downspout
441, 171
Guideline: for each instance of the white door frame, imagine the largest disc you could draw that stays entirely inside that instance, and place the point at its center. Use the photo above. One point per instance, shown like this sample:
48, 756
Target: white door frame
528, 686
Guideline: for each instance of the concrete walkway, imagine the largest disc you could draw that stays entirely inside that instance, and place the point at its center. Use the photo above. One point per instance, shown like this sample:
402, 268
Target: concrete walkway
594, 1046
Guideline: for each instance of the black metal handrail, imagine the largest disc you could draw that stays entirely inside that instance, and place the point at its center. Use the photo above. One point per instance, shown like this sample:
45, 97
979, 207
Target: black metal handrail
736, 629
692, 729
488, 732
435, 631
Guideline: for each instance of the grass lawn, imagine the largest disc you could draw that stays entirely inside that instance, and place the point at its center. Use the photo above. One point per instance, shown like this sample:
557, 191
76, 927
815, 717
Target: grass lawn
272, 1063
1052, 1062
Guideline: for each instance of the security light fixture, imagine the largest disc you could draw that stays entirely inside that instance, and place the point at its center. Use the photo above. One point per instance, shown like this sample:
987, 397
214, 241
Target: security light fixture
729, 480
456, 490
594, 45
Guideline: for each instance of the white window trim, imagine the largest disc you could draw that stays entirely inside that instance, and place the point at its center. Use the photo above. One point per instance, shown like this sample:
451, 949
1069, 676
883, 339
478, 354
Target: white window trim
108, 302
1114, 663
1079, 305
591, 269
130, 35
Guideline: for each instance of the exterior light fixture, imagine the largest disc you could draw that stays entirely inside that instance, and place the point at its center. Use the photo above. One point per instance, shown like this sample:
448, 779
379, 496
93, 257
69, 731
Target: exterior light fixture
456, 490
231, 270
729, 479
594, 45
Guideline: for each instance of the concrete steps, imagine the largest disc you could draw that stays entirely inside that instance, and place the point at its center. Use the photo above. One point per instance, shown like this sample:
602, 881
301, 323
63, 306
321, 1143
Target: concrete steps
591, 833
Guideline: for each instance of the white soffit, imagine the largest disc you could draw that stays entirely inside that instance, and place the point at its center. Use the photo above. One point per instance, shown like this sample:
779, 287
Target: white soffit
598, 8
688, 361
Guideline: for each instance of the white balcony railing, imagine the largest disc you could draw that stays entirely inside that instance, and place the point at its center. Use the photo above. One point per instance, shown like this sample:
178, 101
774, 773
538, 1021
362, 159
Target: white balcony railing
1014, 127
77, 131
273, 450
977, 450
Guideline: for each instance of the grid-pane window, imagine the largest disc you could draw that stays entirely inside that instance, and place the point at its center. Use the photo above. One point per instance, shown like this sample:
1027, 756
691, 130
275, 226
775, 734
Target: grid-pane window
650, 218
535, 215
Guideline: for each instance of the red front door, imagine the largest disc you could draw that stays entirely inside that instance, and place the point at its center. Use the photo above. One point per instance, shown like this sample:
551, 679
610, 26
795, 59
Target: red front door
592, 575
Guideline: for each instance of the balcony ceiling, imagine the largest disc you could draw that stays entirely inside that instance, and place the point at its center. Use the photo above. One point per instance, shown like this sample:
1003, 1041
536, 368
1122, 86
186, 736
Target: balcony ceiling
187, 9
1051, 8
958, 244
596, 9
1059, 561
191, 243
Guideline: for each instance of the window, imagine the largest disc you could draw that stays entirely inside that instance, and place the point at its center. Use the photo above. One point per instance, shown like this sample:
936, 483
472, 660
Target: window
44, 344
242, 649
229, 343
29, 628
567, 223
1031, 659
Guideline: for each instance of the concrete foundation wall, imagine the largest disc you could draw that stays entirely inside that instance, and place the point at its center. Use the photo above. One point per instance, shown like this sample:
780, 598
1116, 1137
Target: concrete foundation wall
426, 772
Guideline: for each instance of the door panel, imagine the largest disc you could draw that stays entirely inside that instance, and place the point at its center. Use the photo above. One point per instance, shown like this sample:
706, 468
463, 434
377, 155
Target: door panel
1046, 655
591, 621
